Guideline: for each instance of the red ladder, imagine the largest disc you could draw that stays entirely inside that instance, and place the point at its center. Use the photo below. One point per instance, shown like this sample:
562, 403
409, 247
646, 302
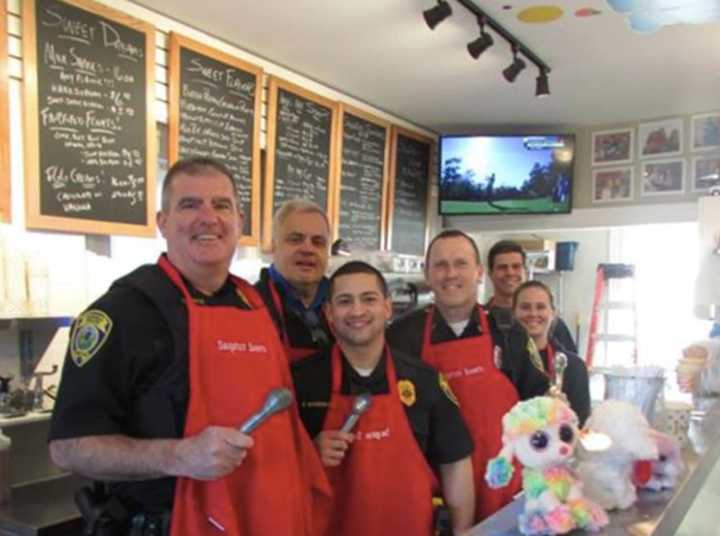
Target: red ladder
605, 272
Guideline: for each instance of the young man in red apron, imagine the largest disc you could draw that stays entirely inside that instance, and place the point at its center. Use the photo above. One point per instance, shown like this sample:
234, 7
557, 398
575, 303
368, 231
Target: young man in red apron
483, 367
384, 471
160, 420
294, 287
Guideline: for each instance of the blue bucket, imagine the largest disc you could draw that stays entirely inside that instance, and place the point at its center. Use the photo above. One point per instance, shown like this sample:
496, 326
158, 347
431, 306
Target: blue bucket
565, 256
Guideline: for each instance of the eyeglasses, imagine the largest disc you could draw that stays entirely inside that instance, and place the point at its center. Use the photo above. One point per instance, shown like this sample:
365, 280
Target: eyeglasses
311, 320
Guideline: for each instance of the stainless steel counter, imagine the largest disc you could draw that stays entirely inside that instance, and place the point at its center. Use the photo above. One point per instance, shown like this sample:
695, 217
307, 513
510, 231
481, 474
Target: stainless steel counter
687, 510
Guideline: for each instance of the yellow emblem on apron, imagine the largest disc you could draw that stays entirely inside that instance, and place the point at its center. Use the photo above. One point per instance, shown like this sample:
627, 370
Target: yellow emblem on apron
406, 390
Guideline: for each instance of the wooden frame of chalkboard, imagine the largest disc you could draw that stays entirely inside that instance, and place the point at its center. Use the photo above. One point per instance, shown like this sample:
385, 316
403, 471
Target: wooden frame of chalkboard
5, 199
393, 225
67, 195
207, 96
360, 222
305, 100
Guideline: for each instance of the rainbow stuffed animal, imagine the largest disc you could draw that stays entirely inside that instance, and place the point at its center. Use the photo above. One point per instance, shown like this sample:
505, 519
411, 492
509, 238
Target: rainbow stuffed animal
541, 433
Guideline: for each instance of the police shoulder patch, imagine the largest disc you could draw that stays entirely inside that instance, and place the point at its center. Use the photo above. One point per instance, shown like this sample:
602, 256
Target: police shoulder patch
445, 386
89, 333
406, 390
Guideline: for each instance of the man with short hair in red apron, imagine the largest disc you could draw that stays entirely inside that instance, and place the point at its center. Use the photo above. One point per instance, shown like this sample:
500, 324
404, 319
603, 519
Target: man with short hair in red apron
294, 287
455, 336
383, 471
159, 420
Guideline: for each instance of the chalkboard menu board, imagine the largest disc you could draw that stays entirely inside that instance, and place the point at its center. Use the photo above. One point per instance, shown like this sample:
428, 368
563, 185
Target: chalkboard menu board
364, 154
90, 131
215, 104
301, 145
4, 120
410, 172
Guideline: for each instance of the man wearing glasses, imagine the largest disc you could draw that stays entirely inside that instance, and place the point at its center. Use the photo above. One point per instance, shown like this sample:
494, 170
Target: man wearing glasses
295, 288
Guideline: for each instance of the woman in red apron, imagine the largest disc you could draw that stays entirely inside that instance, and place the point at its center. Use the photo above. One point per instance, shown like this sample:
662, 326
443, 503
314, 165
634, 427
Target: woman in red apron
235, 360
485, 395
384, 464
534, 309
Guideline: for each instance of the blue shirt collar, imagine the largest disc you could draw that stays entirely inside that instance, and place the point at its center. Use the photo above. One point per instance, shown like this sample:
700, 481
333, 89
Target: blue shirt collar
291, 299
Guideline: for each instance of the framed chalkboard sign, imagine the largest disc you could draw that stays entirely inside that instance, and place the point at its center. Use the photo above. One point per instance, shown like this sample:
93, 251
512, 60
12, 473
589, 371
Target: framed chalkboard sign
90, 145
300, 149
215, 102
409, 186
364, 156
4, 120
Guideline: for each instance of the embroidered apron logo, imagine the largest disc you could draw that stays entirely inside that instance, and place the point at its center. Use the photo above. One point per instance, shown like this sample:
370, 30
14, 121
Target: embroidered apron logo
245, 347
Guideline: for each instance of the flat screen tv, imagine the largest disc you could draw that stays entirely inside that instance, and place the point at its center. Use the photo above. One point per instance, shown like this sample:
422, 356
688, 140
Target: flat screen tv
518, 174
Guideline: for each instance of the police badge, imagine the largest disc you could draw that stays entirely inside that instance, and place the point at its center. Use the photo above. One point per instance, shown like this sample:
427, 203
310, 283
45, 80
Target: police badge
89, 333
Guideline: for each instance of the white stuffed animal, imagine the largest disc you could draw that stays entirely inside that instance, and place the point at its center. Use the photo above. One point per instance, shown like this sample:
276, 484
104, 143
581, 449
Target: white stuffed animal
608, 475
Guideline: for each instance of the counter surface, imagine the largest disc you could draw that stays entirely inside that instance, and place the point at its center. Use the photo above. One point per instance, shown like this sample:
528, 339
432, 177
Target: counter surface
44, 508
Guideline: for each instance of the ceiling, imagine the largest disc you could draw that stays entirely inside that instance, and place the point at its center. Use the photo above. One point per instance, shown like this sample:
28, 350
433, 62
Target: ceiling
381, 52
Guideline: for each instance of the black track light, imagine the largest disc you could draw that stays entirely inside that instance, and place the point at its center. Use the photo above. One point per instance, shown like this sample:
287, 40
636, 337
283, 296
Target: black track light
435, 15
511, 71
482, 43
542, 86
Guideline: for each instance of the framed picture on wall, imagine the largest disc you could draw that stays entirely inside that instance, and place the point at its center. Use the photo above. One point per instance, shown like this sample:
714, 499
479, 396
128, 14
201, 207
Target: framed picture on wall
612, 184
612, 146
661, 138
705, 172
663, 177
705, 132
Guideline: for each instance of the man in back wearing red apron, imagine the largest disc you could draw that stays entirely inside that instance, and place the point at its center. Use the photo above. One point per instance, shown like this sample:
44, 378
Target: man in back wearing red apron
294, 287
383, 471
160, 372
482, 364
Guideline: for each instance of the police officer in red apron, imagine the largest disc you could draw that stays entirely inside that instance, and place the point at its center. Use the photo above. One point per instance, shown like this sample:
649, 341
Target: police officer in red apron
483, 365
294, 287
163, 368
410, 444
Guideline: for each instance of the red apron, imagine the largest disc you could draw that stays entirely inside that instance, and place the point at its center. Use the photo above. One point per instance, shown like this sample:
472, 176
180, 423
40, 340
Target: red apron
235, 359
293, 353
384, 485
485, 395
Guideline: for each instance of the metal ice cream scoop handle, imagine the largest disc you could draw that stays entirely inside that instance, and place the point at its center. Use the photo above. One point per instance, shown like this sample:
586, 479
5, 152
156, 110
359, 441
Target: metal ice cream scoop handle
276, 401
360, 405
556, 383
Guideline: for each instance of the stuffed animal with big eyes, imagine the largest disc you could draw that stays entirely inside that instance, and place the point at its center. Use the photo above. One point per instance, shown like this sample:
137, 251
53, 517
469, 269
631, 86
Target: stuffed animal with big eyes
542, 433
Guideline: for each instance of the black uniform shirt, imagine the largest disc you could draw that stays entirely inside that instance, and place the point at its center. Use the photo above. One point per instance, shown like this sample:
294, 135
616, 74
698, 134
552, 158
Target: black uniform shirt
407, 333
576, 384
100, 397
434, 418
299, 331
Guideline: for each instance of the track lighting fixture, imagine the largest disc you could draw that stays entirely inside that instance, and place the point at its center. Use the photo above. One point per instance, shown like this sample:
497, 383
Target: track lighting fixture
482, 43
513, 70
542, 87
435, 15
478, 46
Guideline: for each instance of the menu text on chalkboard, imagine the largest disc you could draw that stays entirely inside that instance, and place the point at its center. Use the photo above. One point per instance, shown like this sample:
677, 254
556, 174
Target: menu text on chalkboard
363, 175
4, 121
214, 112
95, 147
300, 135
411, 168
